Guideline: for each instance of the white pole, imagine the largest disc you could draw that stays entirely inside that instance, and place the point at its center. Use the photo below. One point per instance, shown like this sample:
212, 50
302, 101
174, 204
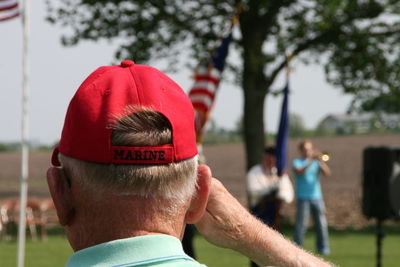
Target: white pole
24, 135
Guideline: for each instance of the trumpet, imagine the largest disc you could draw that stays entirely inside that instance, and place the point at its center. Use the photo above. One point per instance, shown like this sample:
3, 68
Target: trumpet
324, 156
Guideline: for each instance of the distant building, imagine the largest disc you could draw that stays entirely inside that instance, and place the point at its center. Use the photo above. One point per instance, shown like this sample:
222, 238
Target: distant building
359, 123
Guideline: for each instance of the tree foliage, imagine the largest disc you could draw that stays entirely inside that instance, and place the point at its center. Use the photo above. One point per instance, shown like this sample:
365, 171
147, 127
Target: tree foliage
296, 125
146, 29
358, 42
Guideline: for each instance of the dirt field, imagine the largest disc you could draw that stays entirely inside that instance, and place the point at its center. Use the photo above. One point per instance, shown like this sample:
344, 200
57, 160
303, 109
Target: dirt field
342, 190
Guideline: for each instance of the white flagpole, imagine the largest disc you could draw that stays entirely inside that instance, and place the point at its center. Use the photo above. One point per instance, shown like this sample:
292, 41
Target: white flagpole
24, 135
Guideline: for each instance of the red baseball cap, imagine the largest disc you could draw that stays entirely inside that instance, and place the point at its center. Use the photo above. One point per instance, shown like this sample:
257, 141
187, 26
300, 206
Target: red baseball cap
105, 94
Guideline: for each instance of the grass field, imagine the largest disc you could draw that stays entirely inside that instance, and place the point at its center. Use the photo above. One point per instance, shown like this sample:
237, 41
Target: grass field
353, 248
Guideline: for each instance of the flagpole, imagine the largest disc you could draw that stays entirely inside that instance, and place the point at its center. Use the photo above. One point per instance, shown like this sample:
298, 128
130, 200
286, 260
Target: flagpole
288, 70
24, 135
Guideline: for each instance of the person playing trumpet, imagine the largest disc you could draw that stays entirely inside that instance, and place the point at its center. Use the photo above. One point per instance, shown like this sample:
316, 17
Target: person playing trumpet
307, 169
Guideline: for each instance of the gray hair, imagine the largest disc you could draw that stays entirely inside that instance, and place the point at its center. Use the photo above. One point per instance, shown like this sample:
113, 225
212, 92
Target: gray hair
138, 127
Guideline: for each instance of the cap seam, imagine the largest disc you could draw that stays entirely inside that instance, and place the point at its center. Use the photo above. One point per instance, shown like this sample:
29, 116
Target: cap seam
133, 75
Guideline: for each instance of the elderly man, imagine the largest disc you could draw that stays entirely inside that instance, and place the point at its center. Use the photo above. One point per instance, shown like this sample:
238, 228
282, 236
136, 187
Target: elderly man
125, 180
267, 190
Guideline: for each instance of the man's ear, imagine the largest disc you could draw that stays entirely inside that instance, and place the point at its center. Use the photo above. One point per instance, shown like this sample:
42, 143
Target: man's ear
199, 201
61, 193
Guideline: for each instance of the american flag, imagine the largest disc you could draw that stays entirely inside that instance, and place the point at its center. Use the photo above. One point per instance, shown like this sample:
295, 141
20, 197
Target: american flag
206, 83
8, 9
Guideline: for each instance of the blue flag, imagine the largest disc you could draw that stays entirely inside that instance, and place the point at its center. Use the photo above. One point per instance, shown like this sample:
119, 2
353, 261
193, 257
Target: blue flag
283, 134
219, 56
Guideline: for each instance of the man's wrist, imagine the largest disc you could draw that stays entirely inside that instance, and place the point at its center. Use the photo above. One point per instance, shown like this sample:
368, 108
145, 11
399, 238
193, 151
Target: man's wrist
251, 240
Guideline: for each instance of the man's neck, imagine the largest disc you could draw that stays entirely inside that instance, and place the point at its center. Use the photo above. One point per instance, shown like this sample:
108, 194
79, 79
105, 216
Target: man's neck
104, 217
117, 220
89, 235
93, 239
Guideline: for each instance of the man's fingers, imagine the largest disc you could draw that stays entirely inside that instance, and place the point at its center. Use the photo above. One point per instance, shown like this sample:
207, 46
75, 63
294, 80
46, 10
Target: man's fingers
203, 170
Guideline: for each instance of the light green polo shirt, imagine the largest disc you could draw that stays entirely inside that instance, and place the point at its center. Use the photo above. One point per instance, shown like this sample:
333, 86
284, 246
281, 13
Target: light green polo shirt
148, 250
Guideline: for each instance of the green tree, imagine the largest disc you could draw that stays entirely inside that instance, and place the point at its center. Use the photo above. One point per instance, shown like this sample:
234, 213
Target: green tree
239, 128
296, 125
3, 147
322, 130
358, 41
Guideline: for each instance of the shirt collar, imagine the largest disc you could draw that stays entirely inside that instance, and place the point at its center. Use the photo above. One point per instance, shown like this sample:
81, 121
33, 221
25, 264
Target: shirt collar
130, 252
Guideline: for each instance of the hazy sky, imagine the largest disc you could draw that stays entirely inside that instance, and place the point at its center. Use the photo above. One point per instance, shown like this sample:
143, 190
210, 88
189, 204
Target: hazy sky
56, 72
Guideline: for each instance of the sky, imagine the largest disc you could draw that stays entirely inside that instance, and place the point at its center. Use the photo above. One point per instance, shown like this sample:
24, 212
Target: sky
56, 72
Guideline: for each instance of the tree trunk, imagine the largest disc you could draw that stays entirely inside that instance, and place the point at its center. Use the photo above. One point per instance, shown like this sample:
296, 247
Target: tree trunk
253, 122
254, 96
254, 89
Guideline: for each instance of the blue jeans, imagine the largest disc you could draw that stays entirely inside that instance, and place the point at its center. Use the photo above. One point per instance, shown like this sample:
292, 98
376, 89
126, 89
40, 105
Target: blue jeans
318, 213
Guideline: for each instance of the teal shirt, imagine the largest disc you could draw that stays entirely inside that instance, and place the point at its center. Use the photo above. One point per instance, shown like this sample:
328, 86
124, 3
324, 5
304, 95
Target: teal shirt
148, 250
307, 184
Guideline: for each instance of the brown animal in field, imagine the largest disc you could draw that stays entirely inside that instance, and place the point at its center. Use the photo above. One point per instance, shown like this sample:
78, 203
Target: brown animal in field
36, 215
48, 216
